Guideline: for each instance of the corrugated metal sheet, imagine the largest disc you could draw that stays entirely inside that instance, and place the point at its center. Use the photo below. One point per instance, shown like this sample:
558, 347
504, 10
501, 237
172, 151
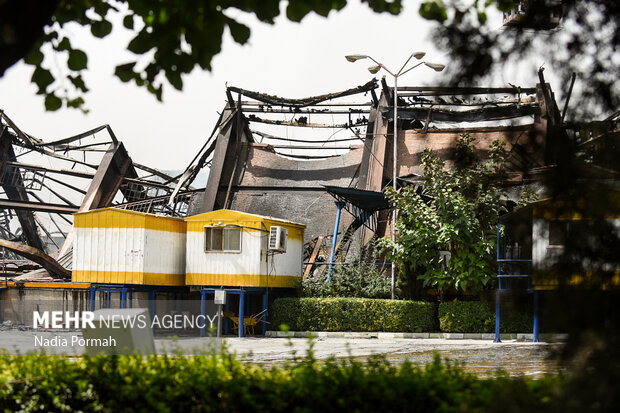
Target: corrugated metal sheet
124, 247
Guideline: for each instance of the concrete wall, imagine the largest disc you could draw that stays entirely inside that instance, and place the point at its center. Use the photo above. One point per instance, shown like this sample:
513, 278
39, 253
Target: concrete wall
524, 143
291, 189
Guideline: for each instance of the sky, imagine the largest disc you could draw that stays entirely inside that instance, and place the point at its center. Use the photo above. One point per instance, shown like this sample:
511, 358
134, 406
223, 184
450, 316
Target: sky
287, 59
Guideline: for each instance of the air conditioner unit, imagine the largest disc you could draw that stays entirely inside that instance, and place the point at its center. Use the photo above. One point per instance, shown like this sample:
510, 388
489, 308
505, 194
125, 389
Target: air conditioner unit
277, 238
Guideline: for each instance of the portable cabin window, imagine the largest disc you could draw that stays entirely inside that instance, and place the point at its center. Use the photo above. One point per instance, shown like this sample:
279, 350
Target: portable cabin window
222, 239
558, 233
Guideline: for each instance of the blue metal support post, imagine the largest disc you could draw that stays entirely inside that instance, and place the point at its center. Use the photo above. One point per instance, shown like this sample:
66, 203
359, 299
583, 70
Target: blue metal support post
535, 340
242, 314
227, 321
203, 312
339, 205
497, 293
266, 314
152, 304
123, 297
93, 295
497, 317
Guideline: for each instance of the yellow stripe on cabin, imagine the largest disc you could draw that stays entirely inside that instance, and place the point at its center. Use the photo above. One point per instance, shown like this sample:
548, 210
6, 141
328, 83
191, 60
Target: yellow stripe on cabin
128, 277
550, 280
118, 218
243, 280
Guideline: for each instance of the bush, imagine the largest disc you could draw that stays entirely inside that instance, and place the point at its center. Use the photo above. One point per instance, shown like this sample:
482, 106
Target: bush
364, 279
353, 314
479, 317
210, 383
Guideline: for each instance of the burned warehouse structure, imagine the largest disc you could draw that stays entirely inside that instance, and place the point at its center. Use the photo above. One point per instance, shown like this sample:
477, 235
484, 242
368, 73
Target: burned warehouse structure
305, 161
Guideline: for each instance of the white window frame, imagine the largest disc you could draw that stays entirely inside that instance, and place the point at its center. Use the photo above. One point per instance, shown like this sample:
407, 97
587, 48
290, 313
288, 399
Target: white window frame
209, 230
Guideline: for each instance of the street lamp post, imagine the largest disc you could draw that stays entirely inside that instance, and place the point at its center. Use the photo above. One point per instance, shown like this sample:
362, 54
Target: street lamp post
374, 69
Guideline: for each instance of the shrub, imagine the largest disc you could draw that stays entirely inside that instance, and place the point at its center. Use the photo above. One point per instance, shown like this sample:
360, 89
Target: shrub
479, 317
210, 383
364, 279
353, 314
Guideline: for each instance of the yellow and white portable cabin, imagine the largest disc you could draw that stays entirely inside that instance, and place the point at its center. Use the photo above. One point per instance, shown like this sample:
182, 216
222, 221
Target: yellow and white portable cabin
232, 248
116, 246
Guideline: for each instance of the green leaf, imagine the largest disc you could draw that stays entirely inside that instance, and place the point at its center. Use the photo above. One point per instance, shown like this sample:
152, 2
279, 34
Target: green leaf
64, 44
125, 72
128, 21
75, 103
297, 10
78, 82
175, 79
240, 32
35, 57
433, 10
42, 78
101, 28
77, 60
52, 102
141, 43
482, 17
157, 91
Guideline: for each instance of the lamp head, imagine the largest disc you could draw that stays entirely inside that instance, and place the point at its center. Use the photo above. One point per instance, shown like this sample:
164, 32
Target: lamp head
374, 69
355, 57
435, 66
418, 55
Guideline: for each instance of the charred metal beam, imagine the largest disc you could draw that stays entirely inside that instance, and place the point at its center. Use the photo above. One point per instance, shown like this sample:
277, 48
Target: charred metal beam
417, 100
114, 167
79, 174
25, 206
313, 147
155, 172
475, 115
278, 188
308, 156
17, 193
340, 104
37, 255
277, 138
277, 100
303, 111
300, 123
26, 139
80, 136
452, 90
217, 166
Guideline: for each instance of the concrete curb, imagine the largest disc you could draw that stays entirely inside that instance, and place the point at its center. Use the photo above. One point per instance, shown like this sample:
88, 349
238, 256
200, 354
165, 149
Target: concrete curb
547, 337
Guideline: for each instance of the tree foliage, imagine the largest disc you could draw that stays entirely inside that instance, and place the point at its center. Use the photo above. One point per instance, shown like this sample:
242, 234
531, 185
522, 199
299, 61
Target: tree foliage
456, 212
585, 42
170, 37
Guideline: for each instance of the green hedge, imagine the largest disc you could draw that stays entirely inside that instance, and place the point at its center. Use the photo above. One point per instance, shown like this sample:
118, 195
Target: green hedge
479, 317
353, 314
224, 384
